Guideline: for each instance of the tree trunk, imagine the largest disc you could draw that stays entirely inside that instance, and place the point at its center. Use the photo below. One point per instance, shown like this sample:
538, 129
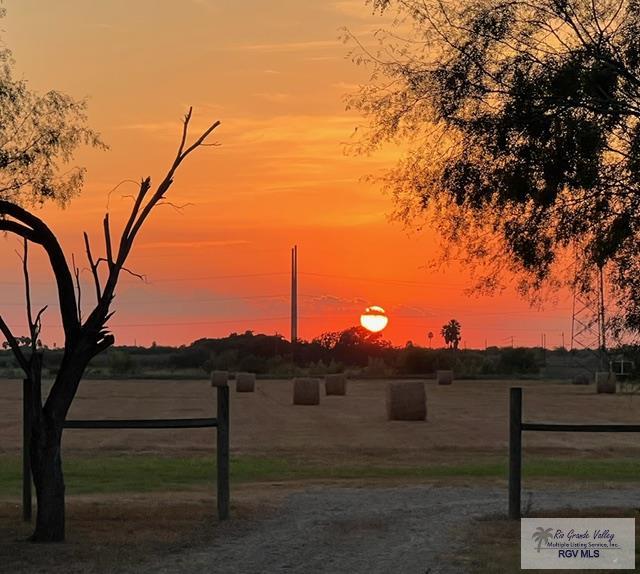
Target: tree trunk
46, 466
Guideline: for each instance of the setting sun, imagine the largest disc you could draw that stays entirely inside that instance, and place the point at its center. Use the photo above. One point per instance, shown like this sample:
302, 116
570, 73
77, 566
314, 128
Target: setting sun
374, 319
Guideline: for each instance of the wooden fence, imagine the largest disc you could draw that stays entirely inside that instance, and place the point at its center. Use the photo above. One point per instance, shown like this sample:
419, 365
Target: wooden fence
221, 422
516, 428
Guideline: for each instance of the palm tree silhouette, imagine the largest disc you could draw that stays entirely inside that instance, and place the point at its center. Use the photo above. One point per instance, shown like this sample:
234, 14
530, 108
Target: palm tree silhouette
541, 535
451, 332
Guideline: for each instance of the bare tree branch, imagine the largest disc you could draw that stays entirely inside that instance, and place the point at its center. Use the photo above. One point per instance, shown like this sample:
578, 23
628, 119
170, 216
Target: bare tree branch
15, 347
35, 230
200, 140
94, 267
27, 287
103, 344
107, 239
140, 276
76, 273
166, 182
178, 208
17, 229
185, 127
38, 319
116, 187
145, 185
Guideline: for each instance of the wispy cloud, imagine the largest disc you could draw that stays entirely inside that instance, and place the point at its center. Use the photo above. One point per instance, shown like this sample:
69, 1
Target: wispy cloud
345, 86
411, 311
206, 4
334, 303
192, 244
296, 128
150, 126
325, 58
351, 8
287, 46
274, 97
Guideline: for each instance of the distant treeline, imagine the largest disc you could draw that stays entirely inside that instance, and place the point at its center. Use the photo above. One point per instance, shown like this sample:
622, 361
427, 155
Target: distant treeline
355, 351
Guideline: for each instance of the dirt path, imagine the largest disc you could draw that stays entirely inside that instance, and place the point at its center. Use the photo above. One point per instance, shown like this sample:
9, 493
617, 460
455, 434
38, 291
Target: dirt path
367, 530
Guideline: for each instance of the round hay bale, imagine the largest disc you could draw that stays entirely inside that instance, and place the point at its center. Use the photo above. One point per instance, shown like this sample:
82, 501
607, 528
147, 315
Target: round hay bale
219, 378
245, 382
406, 401
444, 377
581, 379
335, 384
306, 391
605, 383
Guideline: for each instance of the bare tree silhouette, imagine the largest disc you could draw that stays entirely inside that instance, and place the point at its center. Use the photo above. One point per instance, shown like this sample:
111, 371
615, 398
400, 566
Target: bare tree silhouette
84, 337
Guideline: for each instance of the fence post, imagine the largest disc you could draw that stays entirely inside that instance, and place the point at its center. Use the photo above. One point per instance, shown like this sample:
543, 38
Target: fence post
223, 452
26, 450
515, 452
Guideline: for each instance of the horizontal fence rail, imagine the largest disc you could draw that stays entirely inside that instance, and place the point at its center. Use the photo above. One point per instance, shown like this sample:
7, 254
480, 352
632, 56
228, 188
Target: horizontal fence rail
142, 424
554, 427
517, 427
221, 422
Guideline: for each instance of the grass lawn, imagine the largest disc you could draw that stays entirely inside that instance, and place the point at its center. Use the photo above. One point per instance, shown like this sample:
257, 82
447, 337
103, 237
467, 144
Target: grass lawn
104, 537
145, 473
495, 542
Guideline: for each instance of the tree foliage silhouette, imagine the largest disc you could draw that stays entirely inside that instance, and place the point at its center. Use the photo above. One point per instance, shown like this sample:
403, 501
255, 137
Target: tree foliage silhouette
84, 335
38, 135
452, 332
523, 123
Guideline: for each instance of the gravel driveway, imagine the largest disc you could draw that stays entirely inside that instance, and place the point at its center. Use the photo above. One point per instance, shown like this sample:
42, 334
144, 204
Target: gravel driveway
366, 530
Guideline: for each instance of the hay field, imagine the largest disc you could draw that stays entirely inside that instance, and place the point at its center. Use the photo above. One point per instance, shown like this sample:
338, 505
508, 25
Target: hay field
466, 421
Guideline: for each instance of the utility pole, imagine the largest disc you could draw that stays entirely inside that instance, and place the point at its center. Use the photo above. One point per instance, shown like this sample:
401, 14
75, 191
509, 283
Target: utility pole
294, 295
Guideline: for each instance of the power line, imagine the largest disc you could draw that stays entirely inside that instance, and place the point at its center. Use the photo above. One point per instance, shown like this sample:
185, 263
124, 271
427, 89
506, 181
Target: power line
159, 301
190, 323
210, 277
185, 323
431, 314
381, 280
386, 281
166, 280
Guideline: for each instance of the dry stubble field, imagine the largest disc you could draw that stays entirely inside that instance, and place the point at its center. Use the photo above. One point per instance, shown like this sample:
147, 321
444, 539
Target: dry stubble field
467, 420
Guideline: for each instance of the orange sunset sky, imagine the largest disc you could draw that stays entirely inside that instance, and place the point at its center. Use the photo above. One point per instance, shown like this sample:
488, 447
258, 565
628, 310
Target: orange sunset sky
275, 73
